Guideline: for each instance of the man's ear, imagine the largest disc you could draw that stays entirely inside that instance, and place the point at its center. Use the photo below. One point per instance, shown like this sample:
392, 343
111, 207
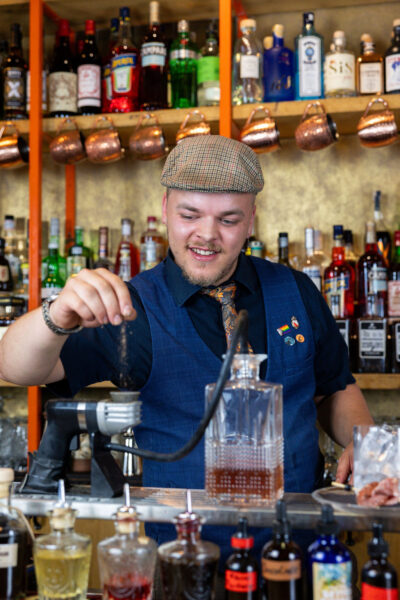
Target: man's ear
164, 208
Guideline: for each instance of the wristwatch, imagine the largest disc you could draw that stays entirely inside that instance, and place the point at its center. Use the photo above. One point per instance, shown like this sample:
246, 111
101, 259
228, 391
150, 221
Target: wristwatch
50, 324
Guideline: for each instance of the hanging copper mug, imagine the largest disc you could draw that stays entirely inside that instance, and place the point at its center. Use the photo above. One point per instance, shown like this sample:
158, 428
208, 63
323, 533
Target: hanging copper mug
196, 128
378, 128
104, 145
68, 147
147, 141
316, 131
262, 134
14, 150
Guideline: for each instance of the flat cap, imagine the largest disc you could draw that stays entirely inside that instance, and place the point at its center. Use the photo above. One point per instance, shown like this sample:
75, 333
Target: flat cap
213, 163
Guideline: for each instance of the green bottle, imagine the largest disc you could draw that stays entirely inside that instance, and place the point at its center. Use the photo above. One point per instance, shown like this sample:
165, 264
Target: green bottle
79, 256
54, 240
53, 282
183, 69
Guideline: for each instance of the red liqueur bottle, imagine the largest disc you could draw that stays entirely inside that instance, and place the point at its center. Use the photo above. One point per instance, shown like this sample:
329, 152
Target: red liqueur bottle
125, 68
89, 73
153, 73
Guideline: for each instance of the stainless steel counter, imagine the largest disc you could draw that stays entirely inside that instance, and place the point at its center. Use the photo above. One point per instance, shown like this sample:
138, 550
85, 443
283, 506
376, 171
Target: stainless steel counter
160, 504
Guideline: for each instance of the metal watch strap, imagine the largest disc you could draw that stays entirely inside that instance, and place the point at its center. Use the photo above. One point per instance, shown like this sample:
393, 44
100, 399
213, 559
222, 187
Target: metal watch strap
52, 326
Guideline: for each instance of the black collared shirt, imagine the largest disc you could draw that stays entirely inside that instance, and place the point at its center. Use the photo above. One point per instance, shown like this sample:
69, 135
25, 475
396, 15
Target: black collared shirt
94, 354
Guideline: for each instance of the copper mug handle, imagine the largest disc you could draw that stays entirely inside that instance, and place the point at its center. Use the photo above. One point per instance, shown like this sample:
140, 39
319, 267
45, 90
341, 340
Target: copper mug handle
66, 120
196, 111
9, 124
146, 116
265, 110
372, 102
102, 118
313, 105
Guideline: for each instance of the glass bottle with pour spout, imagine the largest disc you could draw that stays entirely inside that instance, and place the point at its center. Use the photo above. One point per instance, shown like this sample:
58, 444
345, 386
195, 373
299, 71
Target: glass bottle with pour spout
127, 560
244, 440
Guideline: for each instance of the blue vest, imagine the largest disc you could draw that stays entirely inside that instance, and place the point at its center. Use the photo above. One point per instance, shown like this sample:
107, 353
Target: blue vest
173, 396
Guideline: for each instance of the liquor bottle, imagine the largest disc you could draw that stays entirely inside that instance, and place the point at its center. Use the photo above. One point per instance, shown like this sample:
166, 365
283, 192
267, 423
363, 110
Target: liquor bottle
3, 56
103, 260
183, 69
6, 278
127, 262
329, 561
188, 564
369, 68
208, 89
79, 256
23, 257
106, 85
319, 253
382, 234
241, 568
89, 73
311, 265
14, 78
247, 66
278, 69
392, 64
349, 254
125, 68
372, 355
339, 69
339, 285
153, 74
283, 249
281, 562
372, 277
394, 280
10, 238
54, 240
63, 84
152, 245
45, 76
309, 59
53, 283
127, 560
13, 543
378, 576
62, 557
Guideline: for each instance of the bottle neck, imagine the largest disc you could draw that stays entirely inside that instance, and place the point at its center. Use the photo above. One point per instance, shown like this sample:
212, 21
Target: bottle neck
78, 237
124, 34
283, 253
278, 41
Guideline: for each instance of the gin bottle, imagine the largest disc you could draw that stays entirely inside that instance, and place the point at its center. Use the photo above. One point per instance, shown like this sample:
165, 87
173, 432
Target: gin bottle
183, 69
339, 69
247, 66
309, 58
392, 63
278, 69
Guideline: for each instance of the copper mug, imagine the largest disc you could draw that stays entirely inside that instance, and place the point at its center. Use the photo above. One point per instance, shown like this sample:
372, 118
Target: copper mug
262, 135
68, 147
104, 145
147, 141
14, 150
316, 131
196, 128
378, 128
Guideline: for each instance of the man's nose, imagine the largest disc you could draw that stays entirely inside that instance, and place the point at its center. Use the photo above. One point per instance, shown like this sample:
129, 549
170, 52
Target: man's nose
207, 229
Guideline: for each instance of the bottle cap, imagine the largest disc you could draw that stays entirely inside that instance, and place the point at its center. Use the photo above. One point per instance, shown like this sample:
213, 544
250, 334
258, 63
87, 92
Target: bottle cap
154, 12
339, 34
124, 13
309, 237
63, 28
327, 524
268, 42
188, 519
366, 37
337, 232
90, 27
377, 546
247, 24
396, 22
281, 526
151, 219
308, 18
348, 236
241, 539
183, 26
278, 30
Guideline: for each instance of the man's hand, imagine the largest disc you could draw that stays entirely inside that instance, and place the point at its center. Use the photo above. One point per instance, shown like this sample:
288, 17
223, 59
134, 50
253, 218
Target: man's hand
92, 298
345, 465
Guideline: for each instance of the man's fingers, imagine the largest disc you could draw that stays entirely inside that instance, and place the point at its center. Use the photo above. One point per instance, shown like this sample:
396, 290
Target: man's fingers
121, 291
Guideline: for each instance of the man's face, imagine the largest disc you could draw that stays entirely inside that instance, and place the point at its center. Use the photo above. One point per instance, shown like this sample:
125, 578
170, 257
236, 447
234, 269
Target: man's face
206, 232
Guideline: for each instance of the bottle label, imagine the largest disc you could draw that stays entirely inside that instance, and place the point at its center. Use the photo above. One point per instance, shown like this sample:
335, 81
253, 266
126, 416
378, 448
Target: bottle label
392, 72
183, 53
122, 67
249, 66
343, 326
281, 570
339, 72
394, 298
372, 339
14, 88
208, 69
44, 91
240, 582
63, 92
89, 85
377, 279
310, 66
4, 274
8, 555
370, 592
337, 284
371, 78
397, 341
153, 54
332, 581
314, 274
125, 264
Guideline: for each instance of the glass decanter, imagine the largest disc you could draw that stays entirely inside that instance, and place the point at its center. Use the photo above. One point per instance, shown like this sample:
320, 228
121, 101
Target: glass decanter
188, 565
127, 560
244, 440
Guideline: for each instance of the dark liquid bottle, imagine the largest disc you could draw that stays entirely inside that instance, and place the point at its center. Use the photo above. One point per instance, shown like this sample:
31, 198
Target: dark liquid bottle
89, 73
103, 261
153, 74
106, 86
14, 78
372, 275
392, 64
378, 576
125, 68
281, 562
6, 280
63, 85
283, 249
241, 568
188, 565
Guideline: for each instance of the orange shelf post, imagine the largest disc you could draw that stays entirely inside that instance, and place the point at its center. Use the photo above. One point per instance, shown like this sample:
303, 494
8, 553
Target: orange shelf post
35, 196
225, 69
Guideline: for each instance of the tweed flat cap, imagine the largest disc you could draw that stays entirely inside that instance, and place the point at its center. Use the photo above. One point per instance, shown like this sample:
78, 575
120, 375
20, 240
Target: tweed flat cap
213, 163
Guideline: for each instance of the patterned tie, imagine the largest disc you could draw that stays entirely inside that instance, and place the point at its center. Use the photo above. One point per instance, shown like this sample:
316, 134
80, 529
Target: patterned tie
225, 295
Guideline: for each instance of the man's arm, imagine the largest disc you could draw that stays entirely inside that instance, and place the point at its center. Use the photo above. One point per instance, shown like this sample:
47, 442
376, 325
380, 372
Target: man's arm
30, 351
337, 414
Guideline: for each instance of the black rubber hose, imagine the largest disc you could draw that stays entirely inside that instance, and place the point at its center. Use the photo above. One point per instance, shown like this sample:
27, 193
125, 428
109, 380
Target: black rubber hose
239, 337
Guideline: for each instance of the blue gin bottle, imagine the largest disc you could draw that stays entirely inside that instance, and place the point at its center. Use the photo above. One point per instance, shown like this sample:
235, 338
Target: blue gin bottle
309, 60
278, 69
329, 561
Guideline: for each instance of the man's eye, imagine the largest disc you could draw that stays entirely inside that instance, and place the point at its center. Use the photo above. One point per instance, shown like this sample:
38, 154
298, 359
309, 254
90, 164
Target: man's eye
228, 222
188, 217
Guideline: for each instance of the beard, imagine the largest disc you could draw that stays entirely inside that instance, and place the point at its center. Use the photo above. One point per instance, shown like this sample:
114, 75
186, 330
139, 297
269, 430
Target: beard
207, 281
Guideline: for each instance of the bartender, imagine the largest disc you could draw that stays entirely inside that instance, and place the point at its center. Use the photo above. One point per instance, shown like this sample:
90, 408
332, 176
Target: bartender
179, 319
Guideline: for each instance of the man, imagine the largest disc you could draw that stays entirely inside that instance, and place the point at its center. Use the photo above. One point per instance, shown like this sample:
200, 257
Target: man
175, 344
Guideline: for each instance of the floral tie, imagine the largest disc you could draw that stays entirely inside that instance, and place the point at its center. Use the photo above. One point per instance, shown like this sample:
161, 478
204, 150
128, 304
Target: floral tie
225, 295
